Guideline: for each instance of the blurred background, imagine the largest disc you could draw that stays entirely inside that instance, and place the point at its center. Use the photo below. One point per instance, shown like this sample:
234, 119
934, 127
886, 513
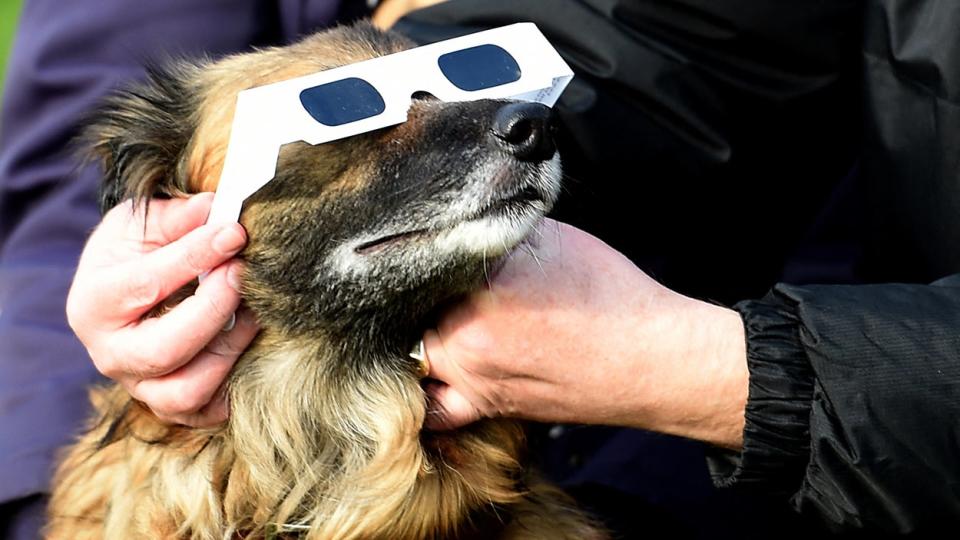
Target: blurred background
9, 11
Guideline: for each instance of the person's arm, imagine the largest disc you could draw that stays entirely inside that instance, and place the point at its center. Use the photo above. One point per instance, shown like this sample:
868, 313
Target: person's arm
854, 404
66, 57
849, 407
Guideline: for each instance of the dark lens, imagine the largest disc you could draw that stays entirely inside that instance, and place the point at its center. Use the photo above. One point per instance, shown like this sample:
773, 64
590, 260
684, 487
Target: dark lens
480, 67
342, 102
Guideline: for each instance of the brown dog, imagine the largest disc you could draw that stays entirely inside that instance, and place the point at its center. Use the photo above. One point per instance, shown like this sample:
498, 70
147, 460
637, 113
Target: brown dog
353, 246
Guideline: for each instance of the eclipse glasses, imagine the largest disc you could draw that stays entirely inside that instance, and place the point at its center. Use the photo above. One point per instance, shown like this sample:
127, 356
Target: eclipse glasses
511, 62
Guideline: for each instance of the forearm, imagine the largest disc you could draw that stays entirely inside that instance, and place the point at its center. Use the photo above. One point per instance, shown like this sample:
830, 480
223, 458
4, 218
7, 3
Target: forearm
699, 388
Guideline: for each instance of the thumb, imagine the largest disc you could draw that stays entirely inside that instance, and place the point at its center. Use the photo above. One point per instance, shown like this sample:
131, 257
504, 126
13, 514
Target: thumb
447, 408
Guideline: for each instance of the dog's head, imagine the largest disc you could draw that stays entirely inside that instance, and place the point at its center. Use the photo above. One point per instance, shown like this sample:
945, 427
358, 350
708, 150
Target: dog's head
362, 236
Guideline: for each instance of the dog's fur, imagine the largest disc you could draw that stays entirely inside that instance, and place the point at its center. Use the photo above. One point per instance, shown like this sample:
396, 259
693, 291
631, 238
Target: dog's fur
324, 439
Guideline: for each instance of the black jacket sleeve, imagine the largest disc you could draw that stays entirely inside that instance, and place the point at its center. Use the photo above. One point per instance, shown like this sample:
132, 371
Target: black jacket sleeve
854, 404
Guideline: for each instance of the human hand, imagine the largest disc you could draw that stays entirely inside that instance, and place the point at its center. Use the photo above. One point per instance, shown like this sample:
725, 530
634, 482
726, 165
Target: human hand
572, 331
388, 12
174, 363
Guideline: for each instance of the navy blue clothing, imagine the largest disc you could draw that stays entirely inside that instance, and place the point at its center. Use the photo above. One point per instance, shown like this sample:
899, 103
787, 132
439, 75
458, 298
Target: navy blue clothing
67, 56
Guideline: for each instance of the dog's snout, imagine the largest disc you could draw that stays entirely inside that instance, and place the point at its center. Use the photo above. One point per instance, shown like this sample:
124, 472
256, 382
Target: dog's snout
525, 129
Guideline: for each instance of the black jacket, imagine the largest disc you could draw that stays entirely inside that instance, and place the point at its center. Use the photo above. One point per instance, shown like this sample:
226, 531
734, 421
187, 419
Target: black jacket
729, 146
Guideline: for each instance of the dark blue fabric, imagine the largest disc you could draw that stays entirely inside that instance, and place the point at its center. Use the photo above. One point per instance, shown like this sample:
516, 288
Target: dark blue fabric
67, 55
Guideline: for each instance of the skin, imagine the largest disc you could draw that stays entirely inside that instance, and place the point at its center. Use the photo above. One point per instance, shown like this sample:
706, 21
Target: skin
174, 363
572, 331
388, 12
632, 353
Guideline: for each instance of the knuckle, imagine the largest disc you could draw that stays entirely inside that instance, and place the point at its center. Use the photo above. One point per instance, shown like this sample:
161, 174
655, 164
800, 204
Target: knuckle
142, 288
196, 259
106, 359
106, 366
76, 312
186, 404
229, 345
217, 306
81, 312
148, 361
177, 401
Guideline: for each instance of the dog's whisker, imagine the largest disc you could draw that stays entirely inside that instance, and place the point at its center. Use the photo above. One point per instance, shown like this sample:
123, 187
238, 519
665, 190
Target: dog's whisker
486, 273
529, 249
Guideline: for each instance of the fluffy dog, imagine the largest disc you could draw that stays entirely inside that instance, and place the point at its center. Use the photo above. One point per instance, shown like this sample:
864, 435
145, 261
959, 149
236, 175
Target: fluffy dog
353, 246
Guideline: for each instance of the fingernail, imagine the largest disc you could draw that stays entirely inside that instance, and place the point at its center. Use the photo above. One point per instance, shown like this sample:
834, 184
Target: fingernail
234, 275
231, 323
229, 240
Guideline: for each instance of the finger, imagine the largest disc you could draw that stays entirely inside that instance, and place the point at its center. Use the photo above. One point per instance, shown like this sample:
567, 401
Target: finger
138, 286
213, 414
437, 359
177, 217
195, 253
166, 220
448, 409
185, 330
193, 394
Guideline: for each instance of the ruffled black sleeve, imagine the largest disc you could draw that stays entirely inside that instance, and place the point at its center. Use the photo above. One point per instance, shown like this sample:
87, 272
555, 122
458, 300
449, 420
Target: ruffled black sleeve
853, 414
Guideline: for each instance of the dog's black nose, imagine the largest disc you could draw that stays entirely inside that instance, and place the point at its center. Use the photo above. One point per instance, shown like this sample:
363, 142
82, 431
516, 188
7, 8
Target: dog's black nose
525, 129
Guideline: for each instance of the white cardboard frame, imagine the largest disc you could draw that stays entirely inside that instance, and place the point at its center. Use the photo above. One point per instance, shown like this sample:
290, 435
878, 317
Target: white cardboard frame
267, 117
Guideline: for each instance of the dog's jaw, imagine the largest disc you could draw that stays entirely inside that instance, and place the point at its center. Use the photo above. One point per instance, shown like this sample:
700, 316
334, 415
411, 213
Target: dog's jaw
501, 226
500, 207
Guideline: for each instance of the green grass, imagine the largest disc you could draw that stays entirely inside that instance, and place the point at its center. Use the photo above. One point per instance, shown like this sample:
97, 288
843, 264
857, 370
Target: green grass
9, 13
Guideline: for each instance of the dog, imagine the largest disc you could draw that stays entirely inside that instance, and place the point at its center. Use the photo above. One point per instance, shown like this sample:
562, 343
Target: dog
353, 247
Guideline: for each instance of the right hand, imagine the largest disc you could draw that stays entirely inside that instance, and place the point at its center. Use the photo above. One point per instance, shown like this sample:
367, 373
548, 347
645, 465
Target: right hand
176, 363
388, 12
571, 331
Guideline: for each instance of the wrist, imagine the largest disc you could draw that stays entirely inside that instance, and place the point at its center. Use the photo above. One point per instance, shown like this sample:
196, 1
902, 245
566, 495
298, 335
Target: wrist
698, 378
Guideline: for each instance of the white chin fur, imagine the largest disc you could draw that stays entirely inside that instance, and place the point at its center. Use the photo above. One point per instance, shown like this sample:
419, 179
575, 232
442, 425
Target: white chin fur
487, 236
497, 234
490, 236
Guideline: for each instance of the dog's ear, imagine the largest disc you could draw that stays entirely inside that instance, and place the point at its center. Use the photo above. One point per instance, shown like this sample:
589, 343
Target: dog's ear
141, 136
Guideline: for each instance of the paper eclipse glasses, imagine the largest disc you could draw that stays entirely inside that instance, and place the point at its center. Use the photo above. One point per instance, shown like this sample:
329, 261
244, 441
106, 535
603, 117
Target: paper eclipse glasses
511, 62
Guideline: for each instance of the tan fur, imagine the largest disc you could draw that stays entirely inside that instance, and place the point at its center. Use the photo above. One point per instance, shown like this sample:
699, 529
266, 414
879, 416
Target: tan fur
304, 455
221, 83
366, 476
